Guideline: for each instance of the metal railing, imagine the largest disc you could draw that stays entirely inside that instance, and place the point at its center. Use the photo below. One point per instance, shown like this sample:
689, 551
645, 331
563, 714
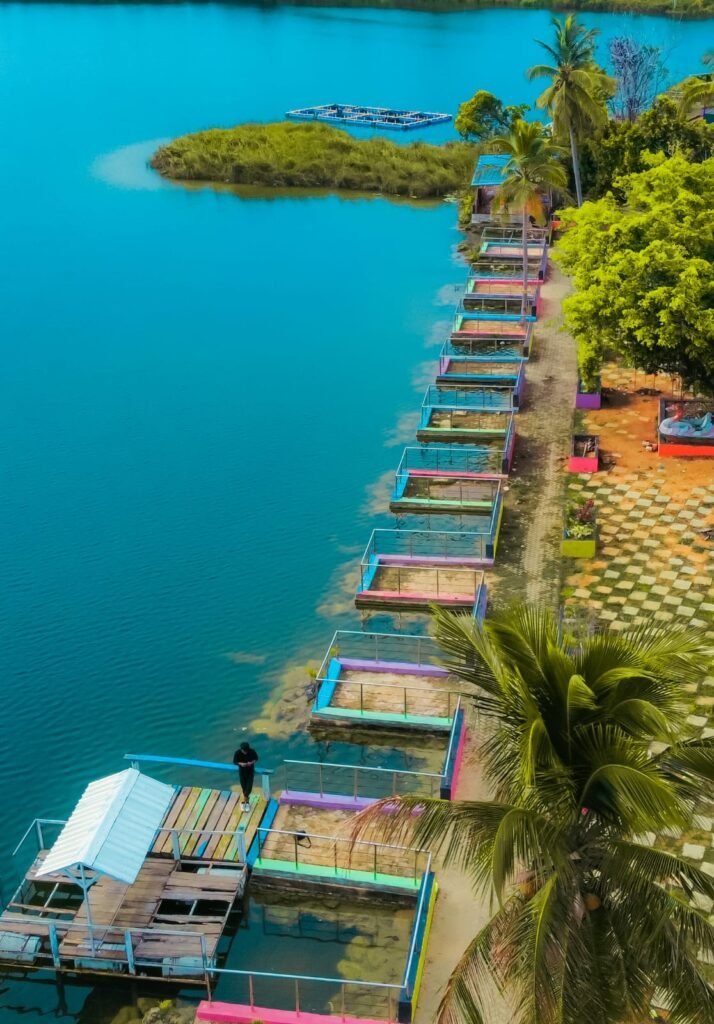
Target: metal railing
424, 545
464, 459
424, 584
341, 854
304, 993
363, 781
477, 397
507, 233
380, 647
484, 348
444, 417
451, 489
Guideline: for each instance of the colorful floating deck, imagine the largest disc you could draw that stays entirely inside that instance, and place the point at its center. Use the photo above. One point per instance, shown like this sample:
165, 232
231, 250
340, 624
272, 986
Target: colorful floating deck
387, 680
350, 116
686, 428
416, 568
499, 296
468, 416
488, 349
140, 881
297, 998
435, 491
465, 371
478, 327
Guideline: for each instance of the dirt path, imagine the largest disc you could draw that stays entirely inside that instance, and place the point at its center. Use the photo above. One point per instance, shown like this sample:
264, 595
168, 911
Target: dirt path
528, 559
527, 568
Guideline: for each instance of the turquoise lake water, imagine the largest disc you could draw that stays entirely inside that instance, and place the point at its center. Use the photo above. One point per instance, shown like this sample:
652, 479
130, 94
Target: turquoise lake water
203, 396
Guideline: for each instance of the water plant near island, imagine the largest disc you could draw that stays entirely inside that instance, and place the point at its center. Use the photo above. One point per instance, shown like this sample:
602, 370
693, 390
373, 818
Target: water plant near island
593, 917
297, 155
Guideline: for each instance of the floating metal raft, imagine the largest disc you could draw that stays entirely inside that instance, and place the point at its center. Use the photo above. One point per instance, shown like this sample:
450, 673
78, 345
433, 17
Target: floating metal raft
368, 117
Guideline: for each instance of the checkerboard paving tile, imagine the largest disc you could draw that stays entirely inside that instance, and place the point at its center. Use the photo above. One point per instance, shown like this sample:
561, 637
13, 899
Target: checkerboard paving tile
652, 561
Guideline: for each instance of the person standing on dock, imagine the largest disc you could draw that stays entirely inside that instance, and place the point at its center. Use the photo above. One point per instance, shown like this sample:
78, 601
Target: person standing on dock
245, 758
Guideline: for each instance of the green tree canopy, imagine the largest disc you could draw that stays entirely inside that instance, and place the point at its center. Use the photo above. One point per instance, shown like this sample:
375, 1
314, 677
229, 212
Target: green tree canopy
590, 918
619, 147
484, 116
644, 272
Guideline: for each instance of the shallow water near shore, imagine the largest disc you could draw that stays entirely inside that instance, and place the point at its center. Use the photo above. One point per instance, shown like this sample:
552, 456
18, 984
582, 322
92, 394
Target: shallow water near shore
203, 394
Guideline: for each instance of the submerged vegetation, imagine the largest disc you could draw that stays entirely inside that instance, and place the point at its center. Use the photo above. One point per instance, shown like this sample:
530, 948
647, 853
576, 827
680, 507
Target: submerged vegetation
286, 155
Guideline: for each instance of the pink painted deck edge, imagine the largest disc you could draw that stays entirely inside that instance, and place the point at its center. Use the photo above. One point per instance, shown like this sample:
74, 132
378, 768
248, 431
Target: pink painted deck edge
240, 1013
458, 475
457, 763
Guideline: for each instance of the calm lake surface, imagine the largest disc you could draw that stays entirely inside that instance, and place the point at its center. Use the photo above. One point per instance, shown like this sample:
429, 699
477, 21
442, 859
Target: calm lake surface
203, 396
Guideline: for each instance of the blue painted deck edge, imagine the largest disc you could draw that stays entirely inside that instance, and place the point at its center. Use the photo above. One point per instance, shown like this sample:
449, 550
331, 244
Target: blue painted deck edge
448, 779
418, 929
266, 822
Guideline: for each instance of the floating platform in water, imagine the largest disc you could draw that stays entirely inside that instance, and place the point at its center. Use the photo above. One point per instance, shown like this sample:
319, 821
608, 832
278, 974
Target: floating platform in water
499, 296
457, 370
387, 680
438, 491
418, 568
482, 327
348, 115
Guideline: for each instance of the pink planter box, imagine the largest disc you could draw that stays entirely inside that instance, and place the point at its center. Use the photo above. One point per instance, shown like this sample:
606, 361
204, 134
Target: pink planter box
584, 454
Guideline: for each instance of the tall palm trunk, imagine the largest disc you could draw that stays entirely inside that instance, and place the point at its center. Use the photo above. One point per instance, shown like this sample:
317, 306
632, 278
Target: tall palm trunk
524, 297
576, 165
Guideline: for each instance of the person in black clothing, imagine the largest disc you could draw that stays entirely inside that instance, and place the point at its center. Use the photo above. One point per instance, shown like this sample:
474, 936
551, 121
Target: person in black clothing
245, 758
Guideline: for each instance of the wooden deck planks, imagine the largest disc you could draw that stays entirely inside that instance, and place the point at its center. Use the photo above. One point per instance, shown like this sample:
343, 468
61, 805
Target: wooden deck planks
229, 812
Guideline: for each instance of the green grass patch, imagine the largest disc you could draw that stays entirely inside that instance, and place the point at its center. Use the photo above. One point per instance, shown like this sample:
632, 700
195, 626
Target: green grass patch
309, 155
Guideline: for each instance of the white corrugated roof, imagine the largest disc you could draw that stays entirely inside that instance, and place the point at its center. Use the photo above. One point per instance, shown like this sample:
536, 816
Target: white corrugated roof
112, 827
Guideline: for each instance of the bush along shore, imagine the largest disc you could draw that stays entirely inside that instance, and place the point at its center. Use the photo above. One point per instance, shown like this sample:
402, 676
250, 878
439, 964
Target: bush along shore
311, 155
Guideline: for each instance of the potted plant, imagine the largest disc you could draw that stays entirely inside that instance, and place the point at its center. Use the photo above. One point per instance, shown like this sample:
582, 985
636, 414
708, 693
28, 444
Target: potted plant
588, 394
580, 532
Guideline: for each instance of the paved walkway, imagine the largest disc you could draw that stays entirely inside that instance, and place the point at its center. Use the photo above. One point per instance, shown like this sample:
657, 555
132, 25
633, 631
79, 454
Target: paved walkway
651, 559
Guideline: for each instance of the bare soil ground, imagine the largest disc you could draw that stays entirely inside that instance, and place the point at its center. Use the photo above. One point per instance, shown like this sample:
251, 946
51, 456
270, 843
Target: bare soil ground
528, 558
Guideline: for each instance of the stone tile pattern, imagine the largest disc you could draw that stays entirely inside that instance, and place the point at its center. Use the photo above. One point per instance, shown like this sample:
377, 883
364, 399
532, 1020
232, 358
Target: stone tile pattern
652, 560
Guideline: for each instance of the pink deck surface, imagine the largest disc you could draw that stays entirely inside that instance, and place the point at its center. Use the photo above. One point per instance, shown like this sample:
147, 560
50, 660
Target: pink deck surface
239, 1013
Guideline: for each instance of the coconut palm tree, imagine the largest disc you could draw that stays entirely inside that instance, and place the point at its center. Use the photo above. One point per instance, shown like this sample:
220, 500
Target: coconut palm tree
578, 87
532, 168
591, 918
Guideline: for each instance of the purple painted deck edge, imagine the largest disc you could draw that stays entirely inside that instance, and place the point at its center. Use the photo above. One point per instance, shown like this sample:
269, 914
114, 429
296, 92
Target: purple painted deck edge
328, 801
431, 560
397, 667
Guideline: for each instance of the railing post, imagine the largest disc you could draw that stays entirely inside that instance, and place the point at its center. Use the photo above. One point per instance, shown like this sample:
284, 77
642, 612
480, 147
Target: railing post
296, 850
394, 783
297, 998
265, 782
128, 946
240, 842
404, 691
320, 779
54, 944
175, 845
40, 836
251, 993
355, 781
361, 696
375, 861
342, 1000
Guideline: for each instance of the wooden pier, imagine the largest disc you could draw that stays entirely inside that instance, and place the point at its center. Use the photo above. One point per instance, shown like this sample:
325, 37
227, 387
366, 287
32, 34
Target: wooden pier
165, 918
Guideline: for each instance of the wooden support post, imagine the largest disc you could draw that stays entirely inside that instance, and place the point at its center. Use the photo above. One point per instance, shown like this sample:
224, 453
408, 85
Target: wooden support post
129, 947
54, 945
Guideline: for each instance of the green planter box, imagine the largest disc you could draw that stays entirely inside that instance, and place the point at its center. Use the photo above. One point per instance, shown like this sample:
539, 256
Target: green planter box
578, 547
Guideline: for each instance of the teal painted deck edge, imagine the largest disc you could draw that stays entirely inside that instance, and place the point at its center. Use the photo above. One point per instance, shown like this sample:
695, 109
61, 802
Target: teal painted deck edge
287, 867
385, 716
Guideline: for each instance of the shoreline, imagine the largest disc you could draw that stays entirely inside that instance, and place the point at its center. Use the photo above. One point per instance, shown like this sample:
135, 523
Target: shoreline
646, 8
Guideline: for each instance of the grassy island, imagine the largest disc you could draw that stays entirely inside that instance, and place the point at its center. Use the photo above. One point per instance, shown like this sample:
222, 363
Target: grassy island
310, 155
